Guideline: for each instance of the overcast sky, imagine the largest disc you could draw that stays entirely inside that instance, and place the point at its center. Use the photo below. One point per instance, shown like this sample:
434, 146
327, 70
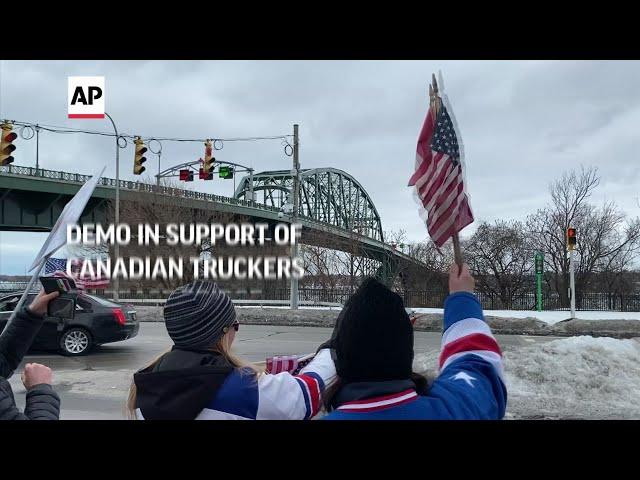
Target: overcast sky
522, 124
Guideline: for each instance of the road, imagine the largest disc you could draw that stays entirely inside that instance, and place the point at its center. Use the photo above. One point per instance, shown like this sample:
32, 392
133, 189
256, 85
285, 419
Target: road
96, 386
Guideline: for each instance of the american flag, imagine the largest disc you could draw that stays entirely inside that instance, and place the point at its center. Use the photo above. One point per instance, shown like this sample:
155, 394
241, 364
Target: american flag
287, 363
438, 176
58, 267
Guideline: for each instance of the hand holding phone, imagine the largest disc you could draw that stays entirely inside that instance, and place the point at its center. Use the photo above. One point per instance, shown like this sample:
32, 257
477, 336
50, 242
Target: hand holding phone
40, 304
65, 305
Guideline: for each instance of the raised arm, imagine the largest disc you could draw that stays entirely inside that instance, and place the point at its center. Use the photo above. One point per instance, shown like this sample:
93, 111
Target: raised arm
18, 336
470, 383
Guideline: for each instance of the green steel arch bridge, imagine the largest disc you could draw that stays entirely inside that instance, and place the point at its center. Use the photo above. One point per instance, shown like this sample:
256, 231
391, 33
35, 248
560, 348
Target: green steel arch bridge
335, 210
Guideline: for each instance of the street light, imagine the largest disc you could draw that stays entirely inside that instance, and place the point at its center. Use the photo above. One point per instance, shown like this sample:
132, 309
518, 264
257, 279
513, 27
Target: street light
116, 280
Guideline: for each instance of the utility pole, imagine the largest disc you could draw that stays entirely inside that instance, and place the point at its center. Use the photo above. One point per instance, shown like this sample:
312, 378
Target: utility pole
572, 284
116, 280
571, 245
37, 148
294, 214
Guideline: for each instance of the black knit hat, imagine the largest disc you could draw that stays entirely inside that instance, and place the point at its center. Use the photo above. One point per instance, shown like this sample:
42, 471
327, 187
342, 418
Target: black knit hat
198, 314
374, 336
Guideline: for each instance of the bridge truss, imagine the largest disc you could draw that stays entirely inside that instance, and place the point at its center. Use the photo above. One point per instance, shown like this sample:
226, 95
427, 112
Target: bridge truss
326, 194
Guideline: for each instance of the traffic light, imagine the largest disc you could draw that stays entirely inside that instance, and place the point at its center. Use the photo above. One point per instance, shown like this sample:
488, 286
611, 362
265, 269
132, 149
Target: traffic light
571, 238
6, 145
139, 158
186, 175
205, 176
225, 172
207, 165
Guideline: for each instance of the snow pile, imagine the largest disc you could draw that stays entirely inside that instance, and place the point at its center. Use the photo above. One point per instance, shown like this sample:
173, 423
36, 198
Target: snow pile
577, 377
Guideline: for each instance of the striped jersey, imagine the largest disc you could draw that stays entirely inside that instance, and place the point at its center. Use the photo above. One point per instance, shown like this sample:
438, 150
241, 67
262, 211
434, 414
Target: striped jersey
204, 390
470, 384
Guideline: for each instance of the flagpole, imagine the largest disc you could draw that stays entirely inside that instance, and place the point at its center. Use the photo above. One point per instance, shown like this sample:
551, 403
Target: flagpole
435, 101
32, 281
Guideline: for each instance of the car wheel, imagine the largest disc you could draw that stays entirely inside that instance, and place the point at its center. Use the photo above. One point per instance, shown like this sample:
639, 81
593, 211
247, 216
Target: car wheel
75, 341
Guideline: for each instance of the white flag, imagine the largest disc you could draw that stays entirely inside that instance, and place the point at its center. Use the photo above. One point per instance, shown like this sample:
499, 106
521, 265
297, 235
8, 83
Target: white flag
69, 216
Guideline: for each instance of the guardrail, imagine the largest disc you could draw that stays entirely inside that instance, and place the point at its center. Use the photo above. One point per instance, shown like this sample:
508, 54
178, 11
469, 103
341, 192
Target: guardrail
158, 302
434, 298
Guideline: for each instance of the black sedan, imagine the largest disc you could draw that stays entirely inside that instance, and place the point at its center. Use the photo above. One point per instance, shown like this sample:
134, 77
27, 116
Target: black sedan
96, 321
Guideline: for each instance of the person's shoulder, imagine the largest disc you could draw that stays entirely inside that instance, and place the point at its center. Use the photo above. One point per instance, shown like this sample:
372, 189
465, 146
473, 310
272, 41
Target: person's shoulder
5, 385
238, 395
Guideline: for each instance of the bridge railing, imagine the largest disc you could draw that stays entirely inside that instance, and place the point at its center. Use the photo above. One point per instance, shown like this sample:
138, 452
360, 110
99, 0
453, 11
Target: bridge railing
171, 191
130, 185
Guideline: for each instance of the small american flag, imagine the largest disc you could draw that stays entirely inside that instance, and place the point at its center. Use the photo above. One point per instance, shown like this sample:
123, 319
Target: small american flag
287, 363
58, 267
438, 176
54, 265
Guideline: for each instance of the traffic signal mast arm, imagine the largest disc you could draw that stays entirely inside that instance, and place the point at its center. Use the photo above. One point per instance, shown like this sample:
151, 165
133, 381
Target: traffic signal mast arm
198, 166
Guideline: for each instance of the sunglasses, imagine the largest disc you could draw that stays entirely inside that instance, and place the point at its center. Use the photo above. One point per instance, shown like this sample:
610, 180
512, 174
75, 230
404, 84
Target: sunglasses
235, 325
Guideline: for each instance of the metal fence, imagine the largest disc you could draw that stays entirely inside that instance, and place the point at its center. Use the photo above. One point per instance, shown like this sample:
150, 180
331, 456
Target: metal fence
414, 299
419, 299
591, 301
132, 185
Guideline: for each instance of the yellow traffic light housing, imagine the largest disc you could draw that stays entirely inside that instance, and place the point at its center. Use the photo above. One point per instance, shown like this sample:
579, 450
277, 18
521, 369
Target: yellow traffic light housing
6, 143
207, 164
139, 158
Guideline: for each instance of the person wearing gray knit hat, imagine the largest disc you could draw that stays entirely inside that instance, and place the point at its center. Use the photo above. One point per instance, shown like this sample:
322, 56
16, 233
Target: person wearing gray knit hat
201, 378
198, 314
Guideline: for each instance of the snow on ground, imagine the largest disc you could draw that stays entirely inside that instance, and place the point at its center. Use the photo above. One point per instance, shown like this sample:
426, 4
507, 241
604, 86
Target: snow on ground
577, 377
550, 317
107, 383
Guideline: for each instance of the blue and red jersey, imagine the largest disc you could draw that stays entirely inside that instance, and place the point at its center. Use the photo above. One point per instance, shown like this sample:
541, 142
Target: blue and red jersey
470, 384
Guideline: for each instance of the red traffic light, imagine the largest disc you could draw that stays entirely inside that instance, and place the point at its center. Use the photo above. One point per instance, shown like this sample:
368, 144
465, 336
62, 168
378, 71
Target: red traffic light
205, 176
571, 238
10, 137
186, 175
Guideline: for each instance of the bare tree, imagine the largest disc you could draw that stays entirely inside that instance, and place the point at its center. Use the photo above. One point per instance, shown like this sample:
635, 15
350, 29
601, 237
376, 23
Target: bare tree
602, 231
501, 259
146, 209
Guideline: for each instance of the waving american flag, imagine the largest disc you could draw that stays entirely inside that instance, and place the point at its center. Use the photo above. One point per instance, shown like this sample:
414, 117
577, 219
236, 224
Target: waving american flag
438, 177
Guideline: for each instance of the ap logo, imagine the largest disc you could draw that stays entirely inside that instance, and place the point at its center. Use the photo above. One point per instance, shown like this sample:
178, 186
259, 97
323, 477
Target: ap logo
86, 97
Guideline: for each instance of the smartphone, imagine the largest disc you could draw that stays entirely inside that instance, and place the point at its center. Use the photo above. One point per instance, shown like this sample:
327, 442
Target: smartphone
54, 284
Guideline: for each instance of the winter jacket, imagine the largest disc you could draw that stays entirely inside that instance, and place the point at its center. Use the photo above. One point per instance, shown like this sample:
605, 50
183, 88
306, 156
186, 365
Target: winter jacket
470, 385
42, 403
201, 385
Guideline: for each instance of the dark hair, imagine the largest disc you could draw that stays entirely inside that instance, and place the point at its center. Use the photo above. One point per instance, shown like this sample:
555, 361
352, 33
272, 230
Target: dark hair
373, 340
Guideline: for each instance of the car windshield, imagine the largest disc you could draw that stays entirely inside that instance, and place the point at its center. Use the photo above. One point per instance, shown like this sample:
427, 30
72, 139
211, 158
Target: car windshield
102, 301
